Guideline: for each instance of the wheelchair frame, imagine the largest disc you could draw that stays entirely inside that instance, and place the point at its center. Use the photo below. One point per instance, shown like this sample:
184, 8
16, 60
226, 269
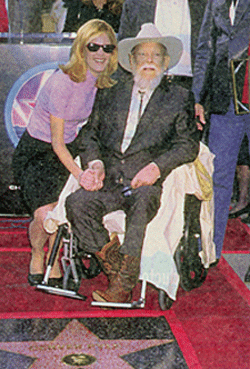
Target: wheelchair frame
189, 265
69, 252
69, 261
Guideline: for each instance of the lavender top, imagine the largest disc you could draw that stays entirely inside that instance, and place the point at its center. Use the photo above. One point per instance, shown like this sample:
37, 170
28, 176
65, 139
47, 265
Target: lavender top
64, 99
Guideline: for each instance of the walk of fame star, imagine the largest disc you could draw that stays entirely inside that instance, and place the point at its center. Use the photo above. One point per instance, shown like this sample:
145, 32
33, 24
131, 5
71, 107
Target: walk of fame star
76, 343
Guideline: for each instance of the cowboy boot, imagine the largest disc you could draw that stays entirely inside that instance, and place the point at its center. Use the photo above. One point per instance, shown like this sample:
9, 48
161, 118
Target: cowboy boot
121, 286
109, 257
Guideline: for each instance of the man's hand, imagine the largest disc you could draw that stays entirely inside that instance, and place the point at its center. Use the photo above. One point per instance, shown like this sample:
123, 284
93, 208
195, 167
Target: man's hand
200, 113
147, 176
91, 179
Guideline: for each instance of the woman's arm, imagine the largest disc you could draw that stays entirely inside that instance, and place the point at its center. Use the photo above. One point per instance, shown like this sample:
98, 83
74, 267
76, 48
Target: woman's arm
90, 179
59, 147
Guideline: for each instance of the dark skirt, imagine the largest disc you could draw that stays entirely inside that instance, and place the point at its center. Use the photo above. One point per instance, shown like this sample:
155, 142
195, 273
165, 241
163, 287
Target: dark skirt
39, 172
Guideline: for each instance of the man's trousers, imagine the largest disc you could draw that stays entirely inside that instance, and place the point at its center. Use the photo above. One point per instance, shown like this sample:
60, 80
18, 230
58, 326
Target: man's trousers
86, 209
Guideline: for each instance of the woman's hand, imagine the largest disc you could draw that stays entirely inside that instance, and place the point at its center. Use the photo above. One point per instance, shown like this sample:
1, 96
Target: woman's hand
91, 179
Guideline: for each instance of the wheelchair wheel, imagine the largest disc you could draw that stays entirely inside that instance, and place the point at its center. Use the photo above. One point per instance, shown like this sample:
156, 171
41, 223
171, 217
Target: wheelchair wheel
69, 282
189, 266
165, 301
90, 266
188, 262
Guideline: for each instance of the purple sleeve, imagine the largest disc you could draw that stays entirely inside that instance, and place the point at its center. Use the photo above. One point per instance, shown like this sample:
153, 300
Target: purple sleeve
60, 92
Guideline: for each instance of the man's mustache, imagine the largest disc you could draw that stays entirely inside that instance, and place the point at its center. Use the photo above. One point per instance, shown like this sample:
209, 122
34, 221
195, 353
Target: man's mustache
147, 66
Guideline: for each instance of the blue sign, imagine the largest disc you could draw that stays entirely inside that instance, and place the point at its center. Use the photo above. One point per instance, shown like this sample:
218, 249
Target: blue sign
22, 98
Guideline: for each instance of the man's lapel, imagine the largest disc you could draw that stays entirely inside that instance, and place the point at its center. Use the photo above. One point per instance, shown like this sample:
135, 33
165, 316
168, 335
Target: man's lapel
223, 14
122, 104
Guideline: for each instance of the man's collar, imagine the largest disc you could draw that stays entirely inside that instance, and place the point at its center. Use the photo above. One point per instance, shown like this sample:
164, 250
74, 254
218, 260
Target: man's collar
146, 91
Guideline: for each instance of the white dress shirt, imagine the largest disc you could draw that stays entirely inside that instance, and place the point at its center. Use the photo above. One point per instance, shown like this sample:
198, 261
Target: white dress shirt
133, 119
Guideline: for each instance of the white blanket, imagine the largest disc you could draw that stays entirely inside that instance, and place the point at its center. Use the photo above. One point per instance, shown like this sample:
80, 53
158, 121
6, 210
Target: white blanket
165, 230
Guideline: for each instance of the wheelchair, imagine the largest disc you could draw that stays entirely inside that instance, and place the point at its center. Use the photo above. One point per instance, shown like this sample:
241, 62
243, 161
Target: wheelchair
78, 265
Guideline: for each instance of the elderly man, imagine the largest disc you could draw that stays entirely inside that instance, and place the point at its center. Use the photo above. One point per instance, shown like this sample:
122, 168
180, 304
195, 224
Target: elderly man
179, 18
139, 131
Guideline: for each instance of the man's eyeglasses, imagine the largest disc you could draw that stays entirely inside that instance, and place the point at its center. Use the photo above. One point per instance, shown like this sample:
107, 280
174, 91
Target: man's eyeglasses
95, 47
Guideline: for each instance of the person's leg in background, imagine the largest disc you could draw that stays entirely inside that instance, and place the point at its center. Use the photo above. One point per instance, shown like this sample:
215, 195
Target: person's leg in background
225, 136
243, 179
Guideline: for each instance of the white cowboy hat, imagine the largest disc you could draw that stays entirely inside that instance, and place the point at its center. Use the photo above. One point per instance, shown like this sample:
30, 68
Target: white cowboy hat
149, 33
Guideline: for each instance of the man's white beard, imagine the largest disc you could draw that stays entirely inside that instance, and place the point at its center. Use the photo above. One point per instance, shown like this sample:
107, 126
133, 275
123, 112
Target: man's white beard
144, 83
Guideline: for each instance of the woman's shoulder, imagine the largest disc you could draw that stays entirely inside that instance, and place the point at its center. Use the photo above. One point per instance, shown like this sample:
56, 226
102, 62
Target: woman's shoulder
59, 78
59, 83
59, 74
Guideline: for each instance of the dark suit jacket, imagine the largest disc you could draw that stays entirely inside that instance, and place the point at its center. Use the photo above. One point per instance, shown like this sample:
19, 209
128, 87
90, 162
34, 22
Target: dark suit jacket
166, 133
137, 12
219, 42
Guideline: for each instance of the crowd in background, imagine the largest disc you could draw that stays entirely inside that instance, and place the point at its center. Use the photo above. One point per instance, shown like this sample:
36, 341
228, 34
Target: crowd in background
36, 16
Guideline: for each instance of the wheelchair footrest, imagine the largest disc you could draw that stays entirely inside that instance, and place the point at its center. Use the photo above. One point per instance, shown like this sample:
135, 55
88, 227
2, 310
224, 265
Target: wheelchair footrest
61, 292
120, 305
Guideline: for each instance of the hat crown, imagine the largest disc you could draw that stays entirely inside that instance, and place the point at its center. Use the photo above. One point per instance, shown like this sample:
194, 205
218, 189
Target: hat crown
148, 30
149, 33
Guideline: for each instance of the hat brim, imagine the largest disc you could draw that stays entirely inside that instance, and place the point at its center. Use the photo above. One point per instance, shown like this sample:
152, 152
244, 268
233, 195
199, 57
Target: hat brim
173, 45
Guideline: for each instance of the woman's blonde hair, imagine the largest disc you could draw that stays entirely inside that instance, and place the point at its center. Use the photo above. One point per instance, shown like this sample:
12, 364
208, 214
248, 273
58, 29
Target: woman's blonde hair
76, 67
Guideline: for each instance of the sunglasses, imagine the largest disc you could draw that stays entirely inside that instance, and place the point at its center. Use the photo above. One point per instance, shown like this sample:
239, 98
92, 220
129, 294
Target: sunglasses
95, 47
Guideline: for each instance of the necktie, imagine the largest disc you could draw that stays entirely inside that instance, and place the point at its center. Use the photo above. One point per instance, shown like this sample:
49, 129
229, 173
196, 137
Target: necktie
141, 93
133, 120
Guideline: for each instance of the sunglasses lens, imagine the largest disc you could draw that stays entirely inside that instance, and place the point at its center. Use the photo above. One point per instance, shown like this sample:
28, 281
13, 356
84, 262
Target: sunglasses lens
108, 48
95, 47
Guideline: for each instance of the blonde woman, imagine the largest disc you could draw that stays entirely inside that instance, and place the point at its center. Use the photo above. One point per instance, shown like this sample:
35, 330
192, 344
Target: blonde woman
44, 157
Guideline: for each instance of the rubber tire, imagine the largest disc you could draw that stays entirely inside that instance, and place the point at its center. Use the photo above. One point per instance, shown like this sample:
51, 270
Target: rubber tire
189, 266
93, 270
165, 301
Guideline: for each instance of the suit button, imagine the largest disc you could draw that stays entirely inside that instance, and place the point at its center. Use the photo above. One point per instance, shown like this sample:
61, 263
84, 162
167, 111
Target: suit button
123, 161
